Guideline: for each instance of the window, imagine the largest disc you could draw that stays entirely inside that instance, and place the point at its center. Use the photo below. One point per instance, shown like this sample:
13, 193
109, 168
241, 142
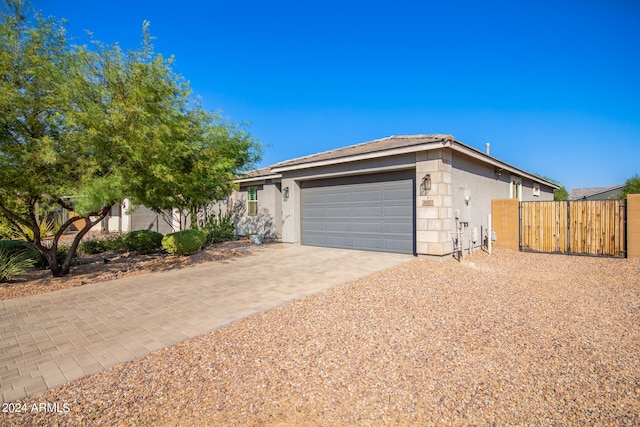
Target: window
516, 188
536, 190
252, 201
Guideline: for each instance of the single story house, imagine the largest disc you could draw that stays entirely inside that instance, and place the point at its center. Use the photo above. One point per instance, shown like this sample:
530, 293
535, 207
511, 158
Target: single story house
599, 193
418, 194
122, 220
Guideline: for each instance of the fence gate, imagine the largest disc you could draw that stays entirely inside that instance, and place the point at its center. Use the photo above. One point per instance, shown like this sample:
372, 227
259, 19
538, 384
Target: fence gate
590, 227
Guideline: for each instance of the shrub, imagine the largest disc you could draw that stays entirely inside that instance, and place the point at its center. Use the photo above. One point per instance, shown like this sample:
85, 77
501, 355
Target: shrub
62, 252
143, 241
218, 229
95, 246
184, 242
90, 247
12, 247
13, 263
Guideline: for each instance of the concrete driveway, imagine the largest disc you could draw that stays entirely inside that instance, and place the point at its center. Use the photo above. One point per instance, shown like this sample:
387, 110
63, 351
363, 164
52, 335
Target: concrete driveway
47, 340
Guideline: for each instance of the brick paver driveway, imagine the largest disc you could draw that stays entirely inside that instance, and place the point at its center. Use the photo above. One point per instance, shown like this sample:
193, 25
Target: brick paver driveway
49, 339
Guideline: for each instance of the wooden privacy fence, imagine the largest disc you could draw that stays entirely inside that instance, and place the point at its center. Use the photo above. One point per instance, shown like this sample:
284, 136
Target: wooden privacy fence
591, 227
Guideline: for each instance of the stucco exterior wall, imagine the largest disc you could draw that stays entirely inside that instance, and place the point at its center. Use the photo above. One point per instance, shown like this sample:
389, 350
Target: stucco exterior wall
475, 184
268, 221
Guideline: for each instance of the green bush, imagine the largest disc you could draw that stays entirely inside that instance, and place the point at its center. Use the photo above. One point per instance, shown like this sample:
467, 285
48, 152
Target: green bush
62, 252
14, 263
90, 247
218, 229
95, 246
38, 258
143, 241
17, 246
184, 242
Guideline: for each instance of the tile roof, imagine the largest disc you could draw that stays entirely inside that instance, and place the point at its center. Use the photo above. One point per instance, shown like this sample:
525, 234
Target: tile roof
378, 145
579, 193
256, 173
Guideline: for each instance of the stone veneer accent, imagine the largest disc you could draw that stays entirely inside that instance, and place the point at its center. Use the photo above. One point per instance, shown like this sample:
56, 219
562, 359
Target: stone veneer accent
435, 210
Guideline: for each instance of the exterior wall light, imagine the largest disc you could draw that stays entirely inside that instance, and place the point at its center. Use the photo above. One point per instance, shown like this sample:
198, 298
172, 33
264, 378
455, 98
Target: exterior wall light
425, 185
285, 193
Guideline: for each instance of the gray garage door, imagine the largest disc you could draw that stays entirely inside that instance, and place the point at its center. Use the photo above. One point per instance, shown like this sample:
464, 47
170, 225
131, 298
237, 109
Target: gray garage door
366, 212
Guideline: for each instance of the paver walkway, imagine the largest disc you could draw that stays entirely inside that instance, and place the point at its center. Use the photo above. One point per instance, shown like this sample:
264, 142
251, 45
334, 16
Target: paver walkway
49, 339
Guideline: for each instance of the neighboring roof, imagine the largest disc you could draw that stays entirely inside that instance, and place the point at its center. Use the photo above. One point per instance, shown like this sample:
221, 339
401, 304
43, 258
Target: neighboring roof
378, 145
583, 193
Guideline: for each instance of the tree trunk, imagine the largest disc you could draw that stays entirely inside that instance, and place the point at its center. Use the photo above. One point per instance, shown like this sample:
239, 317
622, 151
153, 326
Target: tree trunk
51, 254
193, 215
66, 264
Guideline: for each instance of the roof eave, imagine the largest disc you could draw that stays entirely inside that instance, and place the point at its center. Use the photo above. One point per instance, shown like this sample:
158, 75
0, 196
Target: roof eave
474, 152
455, 145
258, 178
365, 156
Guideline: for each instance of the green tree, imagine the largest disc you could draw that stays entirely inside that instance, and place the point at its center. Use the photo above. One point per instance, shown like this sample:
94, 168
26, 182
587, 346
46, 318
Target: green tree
560, 193
631, 186
83, 127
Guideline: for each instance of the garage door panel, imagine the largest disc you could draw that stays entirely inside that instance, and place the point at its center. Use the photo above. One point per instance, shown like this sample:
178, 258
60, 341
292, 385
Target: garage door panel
367, 227
316, 240
339, 212
373, 212
398, 228
371, 243
314, 226
398, 245
396, 212
338, 197
339, 227
367, 196
319, 212
367, 211
398, 194
338, 241
315, 198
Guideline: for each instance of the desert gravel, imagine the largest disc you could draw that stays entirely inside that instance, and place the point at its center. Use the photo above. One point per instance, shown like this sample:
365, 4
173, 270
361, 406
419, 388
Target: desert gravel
509, 339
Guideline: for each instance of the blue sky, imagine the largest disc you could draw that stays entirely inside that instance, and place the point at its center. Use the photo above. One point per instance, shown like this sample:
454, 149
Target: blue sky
554, 86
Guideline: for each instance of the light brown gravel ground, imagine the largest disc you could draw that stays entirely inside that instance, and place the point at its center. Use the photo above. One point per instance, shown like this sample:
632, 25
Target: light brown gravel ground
509, 339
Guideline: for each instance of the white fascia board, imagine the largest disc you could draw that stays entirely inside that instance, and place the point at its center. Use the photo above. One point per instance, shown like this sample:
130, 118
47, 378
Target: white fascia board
257, 179
366, 171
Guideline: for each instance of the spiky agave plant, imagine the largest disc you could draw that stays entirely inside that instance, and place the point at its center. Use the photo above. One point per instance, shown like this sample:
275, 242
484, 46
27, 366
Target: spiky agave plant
13, 264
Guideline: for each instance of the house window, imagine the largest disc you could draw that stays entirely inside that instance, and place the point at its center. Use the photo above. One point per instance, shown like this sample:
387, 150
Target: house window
536, 190
252, 201
516, 188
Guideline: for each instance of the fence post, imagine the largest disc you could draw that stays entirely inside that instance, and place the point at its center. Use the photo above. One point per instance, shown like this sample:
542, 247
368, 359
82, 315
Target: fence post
633, 226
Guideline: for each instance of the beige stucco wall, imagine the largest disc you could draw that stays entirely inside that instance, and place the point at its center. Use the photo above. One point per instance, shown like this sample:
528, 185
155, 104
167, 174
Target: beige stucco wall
269, 218
291, 211
481, 184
